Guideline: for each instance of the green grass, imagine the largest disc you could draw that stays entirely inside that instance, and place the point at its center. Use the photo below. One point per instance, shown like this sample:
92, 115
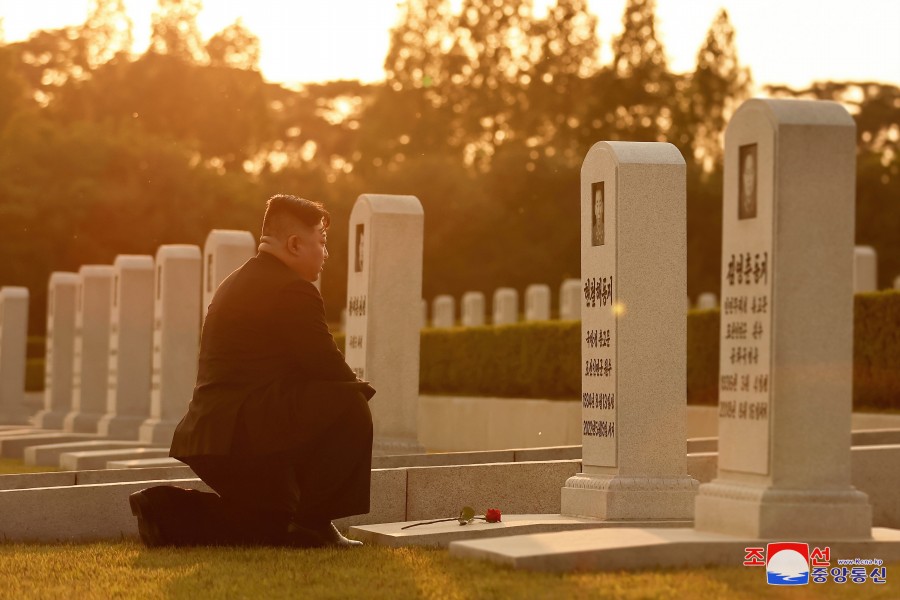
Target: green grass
128, 570
14, 466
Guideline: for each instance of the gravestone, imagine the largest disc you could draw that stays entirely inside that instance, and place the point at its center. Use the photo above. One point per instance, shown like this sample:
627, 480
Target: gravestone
537, 302
176, 339
707, 301
570, 299
865, 269
225, 251
472, 309
13, 343
91, 363
443, 311
60, 354
130, 348
897, 282
786, 345
384, 289
633, 326
506, 306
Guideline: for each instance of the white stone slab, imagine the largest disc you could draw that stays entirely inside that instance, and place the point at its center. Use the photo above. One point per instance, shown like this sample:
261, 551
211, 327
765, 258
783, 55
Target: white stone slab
786, 346
707, 301
85, 460
505, 306
570, 299
537, 302
176, 340
144, 463
60, 355
224, 252
865, 269
47, 455
633, 325
130, 348
472, 309
90, 370
384, 289
617, 549
441, 534
443, 312
14, 446
13, 343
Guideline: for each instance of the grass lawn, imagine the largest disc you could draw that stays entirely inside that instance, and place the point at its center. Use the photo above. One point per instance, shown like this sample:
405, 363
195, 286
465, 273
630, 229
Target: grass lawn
14, 466
128, 570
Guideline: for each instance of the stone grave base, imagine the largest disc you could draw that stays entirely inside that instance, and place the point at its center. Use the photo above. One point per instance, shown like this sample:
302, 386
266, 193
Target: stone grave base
14, 446
441, 534
392, 446
616, 497
617, 549
764, 512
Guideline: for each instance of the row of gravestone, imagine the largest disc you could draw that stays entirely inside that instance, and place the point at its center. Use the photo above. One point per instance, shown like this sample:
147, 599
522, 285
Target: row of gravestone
786, 328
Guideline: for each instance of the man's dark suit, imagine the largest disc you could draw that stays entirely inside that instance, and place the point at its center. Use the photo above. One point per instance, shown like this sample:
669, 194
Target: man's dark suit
279, 424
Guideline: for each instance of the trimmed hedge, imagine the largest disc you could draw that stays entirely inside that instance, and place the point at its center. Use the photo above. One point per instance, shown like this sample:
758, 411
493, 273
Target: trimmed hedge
542, 359
876, 350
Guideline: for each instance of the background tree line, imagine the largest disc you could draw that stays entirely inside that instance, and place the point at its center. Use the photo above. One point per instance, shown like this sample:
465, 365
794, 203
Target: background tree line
485, 114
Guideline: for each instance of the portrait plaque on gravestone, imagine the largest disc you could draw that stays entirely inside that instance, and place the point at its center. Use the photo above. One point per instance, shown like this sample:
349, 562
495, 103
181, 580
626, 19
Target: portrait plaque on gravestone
598, 214
748, 182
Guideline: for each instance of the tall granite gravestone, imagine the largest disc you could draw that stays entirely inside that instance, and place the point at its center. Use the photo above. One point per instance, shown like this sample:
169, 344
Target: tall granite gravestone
633, 325
472, 309
176, 339
570, 299
130, 348
865, 269
537, 302
60, 354
506, 306
443, 311
224, 251
707, 301
786, 345
91, 364
384, 292
13, 343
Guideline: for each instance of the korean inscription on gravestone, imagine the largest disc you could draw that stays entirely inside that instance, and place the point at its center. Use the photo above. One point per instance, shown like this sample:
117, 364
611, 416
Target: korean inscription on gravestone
598, 346
746, 319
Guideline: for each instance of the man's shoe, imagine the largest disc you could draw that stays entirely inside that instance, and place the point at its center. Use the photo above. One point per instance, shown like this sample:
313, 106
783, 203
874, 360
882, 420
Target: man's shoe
148, 523
319, 535
333, 537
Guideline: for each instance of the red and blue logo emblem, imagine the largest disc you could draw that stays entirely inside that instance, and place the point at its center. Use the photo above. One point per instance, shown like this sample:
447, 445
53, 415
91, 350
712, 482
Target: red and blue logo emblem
787, 563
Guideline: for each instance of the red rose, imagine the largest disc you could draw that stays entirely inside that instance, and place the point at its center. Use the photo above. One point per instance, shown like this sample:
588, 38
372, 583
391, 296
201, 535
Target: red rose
492, 515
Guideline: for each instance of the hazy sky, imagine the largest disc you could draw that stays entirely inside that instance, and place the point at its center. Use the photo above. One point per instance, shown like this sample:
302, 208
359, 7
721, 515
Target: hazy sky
783, 41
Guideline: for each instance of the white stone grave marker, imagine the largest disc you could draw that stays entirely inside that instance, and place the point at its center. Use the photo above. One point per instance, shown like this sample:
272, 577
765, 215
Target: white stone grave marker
506, 306
176, 339
13, 344
130, 348
443, 311
60, 355
224, 252
472, 309
865, 269
570, 298
707, 301
537, 302
384, 290
633, 325
786, 345
91, 365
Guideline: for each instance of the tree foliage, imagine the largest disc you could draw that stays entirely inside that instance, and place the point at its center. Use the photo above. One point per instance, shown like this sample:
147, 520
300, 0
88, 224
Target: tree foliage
485, 114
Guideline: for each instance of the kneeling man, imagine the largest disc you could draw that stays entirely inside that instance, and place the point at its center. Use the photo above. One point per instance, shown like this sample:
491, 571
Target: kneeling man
279, 425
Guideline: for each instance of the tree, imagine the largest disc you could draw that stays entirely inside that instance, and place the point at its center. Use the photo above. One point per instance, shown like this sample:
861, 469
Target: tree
718, 86
642, 91
108, 31
235, 46
174, 30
